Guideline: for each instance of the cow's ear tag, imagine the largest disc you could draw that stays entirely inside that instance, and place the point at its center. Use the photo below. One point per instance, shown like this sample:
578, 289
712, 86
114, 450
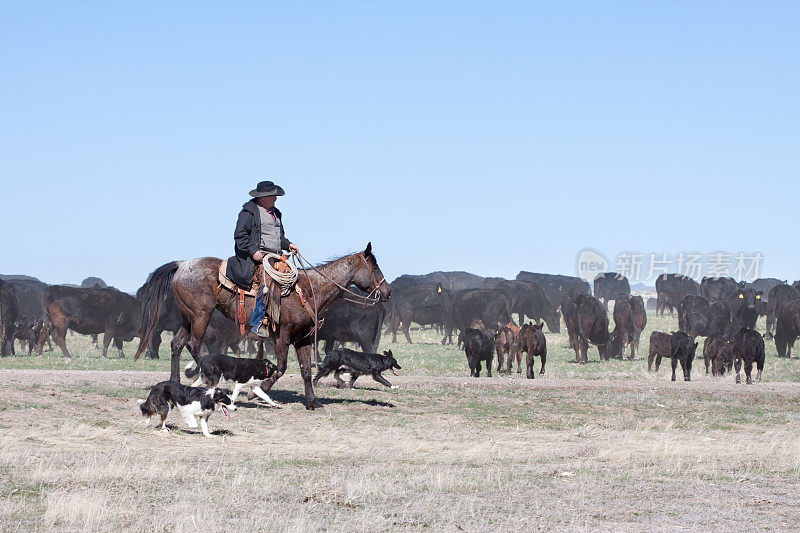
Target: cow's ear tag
741, 296
758, 296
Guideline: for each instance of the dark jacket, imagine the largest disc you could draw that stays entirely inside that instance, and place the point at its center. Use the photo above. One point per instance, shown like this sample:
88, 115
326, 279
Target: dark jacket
247, 241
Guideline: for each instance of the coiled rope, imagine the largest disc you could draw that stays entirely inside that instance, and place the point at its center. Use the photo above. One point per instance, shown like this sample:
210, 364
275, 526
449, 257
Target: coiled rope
285, 279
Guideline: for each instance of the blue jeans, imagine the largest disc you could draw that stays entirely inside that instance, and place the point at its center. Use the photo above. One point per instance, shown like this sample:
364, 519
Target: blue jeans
259, 312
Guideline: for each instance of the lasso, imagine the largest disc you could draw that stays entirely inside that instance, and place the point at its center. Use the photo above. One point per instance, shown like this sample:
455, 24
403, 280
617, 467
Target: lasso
285, 279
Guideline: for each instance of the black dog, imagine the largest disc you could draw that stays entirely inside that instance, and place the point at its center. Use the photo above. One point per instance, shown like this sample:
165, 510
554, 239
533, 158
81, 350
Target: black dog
192, 402
214, 367
357, 363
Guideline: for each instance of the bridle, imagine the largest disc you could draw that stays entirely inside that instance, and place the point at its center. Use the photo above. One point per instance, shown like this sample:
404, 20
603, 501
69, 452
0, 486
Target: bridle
371, 299
366, 301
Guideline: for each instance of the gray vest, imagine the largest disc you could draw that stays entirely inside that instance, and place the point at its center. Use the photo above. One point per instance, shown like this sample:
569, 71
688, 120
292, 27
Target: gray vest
270, 232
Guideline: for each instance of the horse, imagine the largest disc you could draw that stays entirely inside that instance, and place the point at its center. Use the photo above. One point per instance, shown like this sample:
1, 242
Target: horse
197, 292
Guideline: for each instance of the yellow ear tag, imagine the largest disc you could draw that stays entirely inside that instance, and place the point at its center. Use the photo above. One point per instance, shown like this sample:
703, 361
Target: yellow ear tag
758, 296
741, 296
439, 289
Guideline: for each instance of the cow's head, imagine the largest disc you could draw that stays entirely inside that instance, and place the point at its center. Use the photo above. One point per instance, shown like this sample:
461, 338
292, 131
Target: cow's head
748, 298
439, 296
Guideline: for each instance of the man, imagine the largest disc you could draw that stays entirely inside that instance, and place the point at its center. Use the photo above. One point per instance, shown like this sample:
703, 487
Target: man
259, 230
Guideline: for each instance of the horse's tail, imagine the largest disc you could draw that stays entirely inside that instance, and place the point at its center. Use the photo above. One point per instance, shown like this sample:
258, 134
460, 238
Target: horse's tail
153, 294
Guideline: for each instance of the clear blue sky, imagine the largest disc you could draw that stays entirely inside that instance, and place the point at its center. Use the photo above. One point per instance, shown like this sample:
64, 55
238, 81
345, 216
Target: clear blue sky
489, 137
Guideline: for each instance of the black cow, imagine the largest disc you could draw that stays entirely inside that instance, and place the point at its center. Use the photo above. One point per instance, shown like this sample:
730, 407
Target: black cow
527, 298
556, 286
454, 281
748, 346
348, 321
787, 327
639, 322
223, 334
747, 305
27, 330
652, 304
682, 348
30, 294
659, 348
408, 305
778, 295
479, 347
721, 288
492, 283
701, 316
90, 311
587, 321
622, 335
718, 354
611, 286
764, 285
671, 289
9, 310
490, 306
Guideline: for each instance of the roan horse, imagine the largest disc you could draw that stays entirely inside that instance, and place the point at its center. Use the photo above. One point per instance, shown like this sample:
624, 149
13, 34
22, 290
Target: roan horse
197, 292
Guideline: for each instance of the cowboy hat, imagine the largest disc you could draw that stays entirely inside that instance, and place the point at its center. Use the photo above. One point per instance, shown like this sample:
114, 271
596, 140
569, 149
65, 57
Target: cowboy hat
266, 188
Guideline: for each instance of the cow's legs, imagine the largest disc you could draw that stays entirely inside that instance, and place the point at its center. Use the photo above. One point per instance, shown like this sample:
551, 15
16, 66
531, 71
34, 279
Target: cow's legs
107, 337
155, 345
118, 344
738, 367
393, 327
748, 370
674, 367
406, 325
544, 361
60, 338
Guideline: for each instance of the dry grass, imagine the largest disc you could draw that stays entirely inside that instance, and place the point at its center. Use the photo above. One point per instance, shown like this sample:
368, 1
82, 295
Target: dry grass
590, 447
443, 453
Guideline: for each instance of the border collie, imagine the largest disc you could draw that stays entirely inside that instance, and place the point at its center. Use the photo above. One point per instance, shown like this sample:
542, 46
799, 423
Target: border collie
215, 367
357, 363
194, 404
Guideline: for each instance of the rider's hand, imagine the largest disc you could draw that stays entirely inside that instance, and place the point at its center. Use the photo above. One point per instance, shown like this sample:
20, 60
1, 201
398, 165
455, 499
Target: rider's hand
293, 248
258, 256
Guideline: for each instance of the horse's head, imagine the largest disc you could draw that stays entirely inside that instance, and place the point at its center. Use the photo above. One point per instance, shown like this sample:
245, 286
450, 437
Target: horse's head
369, 278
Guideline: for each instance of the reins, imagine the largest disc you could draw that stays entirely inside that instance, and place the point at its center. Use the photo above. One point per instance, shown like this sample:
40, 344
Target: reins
366, 301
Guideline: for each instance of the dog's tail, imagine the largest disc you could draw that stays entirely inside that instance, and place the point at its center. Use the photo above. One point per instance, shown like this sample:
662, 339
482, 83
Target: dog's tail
190, 372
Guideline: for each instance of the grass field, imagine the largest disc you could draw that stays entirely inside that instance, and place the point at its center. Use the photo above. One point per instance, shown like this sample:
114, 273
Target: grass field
601, 446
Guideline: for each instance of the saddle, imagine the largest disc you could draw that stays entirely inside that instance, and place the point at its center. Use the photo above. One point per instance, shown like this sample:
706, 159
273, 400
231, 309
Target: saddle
272, 294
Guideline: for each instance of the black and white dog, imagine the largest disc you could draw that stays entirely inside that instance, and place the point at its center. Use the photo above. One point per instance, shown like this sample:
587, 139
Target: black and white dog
357, 363
241, 371
194, 404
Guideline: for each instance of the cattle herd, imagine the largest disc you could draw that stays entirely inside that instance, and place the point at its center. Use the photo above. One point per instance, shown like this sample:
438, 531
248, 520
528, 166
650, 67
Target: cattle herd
477, 311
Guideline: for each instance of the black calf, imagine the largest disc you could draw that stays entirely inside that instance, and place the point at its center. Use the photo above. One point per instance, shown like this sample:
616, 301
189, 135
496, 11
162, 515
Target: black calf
478, 347
748, 346
682, 348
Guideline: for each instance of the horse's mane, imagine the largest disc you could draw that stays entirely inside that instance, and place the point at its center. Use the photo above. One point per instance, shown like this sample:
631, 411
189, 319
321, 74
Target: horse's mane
333, 259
